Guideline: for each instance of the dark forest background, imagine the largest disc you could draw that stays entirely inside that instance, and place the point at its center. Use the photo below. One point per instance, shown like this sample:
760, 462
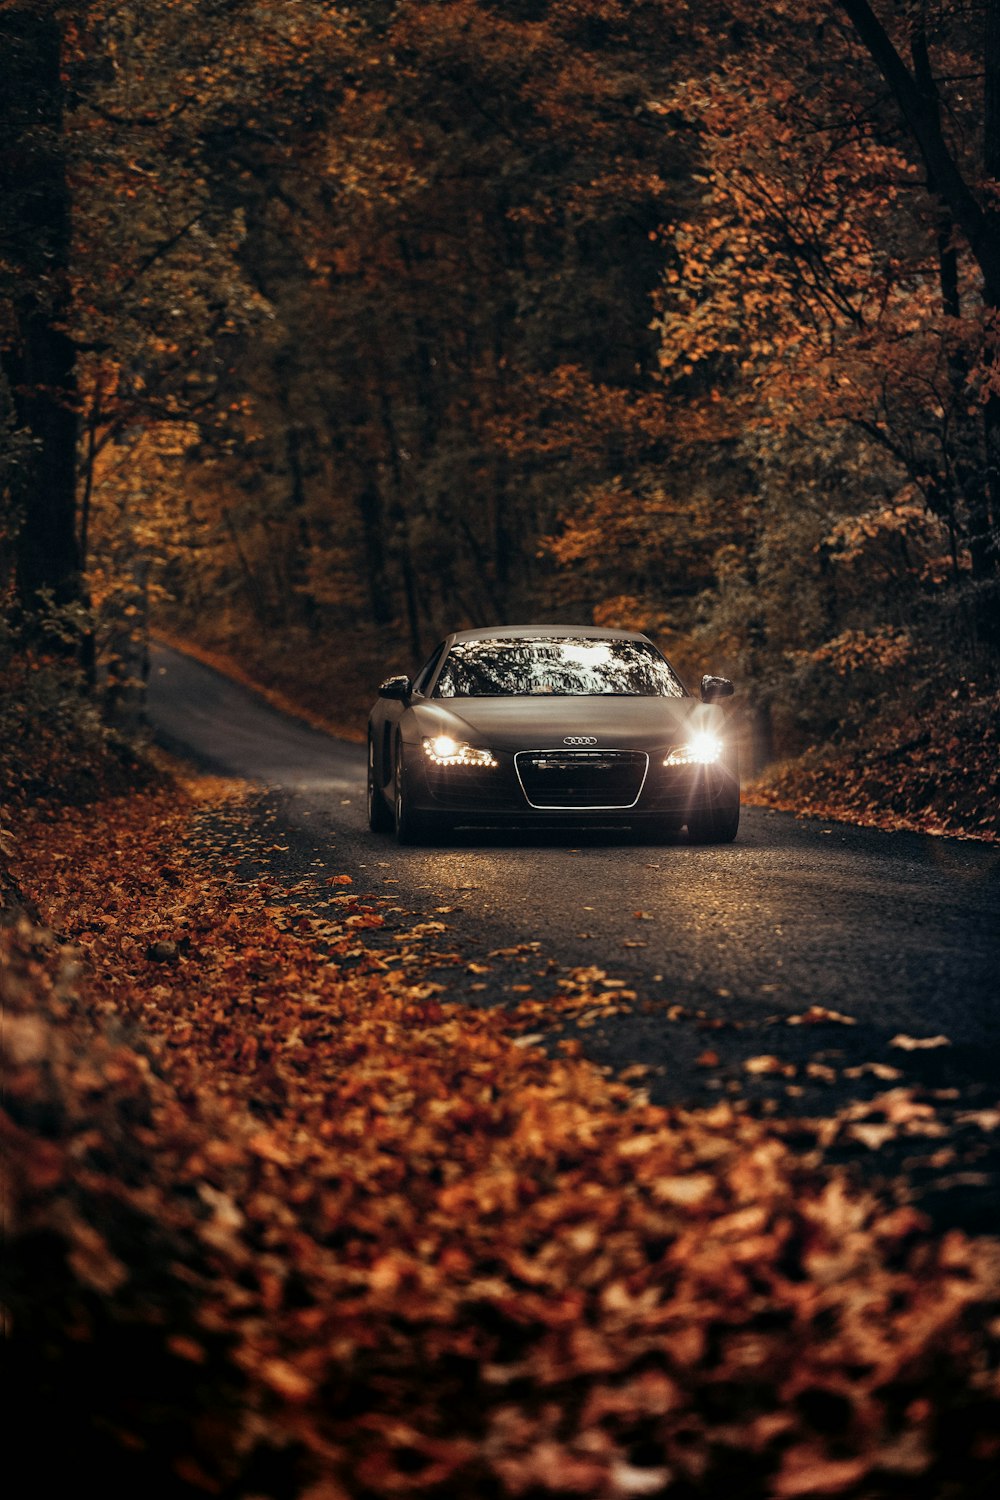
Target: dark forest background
327, 329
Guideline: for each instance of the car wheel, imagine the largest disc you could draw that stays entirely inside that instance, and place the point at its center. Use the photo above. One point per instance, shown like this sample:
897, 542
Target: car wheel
380, 819
716, 825
411, 827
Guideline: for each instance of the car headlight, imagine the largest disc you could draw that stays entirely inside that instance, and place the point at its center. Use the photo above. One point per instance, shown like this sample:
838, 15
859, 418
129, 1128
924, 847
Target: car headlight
442, 750
702, 749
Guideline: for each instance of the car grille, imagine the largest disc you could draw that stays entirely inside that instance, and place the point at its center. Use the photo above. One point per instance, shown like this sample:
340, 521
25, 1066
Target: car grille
581, 778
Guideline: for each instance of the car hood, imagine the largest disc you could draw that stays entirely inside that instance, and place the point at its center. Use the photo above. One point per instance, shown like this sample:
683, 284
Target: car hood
545, 722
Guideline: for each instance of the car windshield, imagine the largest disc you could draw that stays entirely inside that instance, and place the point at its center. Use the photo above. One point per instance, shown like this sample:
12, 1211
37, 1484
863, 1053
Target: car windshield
563, 666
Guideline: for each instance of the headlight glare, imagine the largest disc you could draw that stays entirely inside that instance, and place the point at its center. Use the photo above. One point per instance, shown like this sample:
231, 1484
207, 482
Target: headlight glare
702, 749
442, 750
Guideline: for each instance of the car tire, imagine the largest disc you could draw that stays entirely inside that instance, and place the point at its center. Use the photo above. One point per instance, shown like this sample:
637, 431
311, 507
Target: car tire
411, 827
380, 818
716, 825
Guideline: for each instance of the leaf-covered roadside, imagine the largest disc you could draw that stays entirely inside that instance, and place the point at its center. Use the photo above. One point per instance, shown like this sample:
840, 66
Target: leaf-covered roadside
284, 1223
298, 683
54, 743
938, 772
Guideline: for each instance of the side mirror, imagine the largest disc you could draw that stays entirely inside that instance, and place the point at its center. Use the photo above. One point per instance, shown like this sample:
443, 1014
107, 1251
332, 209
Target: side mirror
714, 688
395, 687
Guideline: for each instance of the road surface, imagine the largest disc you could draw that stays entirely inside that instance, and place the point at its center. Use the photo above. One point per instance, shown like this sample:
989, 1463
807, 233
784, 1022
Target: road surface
900, 932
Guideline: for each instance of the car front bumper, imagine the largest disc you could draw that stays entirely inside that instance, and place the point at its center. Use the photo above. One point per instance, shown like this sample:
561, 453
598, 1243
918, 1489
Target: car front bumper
481, 795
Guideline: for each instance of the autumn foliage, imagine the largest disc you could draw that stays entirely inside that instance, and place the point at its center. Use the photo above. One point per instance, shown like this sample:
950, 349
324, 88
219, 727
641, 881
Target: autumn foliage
285, 1220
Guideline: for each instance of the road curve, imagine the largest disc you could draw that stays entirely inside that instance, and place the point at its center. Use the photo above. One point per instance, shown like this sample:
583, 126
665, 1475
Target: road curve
900, 931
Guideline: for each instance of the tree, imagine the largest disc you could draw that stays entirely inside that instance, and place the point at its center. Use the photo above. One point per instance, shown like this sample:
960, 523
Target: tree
468, 230
968, 193
38, 352
409, 316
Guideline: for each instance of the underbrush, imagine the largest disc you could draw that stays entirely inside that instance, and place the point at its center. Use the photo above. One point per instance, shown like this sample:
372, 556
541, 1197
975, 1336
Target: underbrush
936, 770
55, 747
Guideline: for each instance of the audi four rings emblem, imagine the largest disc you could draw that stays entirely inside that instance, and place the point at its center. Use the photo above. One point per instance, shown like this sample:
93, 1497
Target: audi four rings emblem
580, 739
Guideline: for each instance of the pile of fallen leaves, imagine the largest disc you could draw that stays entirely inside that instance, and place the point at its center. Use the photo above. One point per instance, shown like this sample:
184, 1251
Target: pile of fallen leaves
936, 774
282, 1224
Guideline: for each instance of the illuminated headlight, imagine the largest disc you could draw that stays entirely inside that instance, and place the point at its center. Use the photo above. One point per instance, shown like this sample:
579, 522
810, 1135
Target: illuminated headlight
442, 750
702, 749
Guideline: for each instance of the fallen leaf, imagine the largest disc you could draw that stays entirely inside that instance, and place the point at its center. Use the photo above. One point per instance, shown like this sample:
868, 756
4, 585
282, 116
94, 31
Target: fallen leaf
685, 1192
818, 1015
767, 1063
876, 1069
872, 1136
821, 1071
986, 1119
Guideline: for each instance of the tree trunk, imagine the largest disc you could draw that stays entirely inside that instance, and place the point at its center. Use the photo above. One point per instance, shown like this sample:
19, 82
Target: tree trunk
991, 411
41, 362
369, 503
979, 224
915, 95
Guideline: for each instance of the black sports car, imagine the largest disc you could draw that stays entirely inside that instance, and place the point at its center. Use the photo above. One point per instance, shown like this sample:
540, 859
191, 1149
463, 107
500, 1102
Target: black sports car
541, 725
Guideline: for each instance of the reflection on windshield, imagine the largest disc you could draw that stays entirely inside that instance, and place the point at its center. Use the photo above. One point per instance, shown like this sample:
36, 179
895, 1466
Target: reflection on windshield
559, 666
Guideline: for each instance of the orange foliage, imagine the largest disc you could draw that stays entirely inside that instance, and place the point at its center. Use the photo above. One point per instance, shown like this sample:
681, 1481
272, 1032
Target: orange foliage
863, 650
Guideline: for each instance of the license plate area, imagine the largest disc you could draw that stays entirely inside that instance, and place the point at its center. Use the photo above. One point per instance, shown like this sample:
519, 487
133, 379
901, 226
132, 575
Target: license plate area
584, 780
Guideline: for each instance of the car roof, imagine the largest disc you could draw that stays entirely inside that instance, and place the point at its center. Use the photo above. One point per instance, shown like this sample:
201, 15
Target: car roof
514, 632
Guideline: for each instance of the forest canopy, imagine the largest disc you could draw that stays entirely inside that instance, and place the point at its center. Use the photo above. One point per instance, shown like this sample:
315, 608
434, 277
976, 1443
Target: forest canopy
329, 328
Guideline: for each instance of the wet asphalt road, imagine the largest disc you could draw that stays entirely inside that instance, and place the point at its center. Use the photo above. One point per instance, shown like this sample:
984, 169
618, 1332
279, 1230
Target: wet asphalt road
901, 932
